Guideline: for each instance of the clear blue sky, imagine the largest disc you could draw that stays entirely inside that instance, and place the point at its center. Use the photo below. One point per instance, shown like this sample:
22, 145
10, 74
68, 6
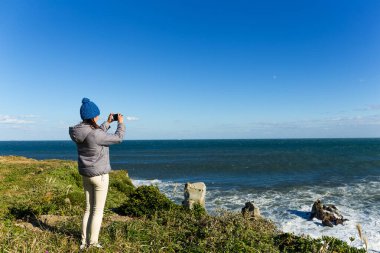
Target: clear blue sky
192, 69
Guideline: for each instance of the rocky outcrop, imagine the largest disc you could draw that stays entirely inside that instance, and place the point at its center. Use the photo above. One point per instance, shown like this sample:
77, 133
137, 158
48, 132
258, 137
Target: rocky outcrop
195, 193
328, 214
250, 210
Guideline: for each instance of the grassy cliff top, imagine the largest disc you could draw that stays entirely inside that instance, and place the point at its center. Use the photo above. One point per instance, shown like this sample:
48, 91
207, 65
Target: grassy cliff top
42, 202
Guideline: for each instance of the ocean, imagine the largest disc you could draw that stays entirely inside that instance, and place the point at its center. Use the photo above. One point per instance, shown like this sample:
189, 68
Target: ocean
282, 177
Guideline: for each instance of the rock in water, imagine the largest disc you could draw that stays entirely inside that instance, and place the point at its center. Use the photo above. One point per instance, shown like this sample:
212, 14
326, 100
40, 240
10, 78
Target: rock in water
327, 213
195, 193
250, 210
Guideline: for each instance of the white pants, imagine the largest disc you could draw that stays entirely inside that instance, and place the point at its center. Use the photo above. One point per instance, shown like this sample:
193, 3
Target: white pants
95, 189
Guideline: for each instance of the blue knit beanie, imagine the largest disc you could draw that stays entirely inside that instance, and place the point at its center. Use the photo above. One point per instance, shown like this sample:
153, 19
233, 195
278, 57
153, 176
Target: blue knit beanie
88, 110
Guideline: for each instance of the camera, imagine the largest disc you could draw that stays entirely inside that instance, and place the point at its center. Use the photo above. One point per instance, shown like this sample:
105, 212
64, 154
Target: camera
115, 117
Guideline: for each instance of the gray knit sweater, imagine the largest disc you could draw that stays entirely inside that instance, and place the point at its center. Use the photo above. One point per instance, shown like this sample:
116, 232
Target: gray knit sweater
92, 145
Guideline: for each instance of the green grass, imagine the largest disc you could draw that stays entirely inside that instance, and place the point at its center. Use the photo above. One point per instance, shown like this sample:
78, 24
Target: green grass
31, 189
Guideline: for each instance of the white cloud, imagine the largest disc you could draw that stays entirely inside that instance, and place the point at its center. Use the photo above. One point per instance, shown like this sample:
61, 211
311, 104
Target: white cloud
9, 119
357, 120
373, 107
321, 123
29, 116
131, 118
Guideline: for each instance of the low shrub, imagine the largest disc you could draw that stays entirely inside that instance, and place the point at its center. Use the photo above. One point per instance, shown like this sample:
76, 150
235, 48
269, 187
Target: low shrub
290, 243
122, 185
146, 201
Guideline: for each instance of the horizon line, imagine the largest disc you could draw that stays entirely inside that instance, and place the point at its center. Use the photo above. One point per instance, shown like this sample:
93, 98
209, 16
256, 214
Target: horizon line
205, 139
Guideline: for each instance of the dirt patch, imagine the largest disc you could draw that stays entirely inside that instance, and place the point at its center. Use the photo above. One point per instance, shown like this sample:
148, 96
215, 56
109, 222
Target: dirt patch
50, 222
44, 222
53, 220
28, 226
115, 217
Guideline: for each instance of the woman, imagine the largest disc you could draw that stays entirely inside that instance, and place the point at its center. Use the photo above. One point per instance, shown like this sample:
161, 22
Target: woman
92, 143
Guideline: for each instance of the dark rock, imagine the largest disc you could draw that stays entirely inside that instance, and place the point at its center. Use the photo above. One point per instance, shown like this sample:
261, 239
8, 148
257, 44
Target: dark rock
327, 213
250, 210
327, 222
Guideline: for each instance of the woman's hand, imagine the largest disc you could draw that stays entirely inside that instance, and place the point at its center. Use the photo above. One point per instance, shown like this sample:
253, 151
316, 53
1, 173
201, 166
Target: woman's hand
120, 118
110, 118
